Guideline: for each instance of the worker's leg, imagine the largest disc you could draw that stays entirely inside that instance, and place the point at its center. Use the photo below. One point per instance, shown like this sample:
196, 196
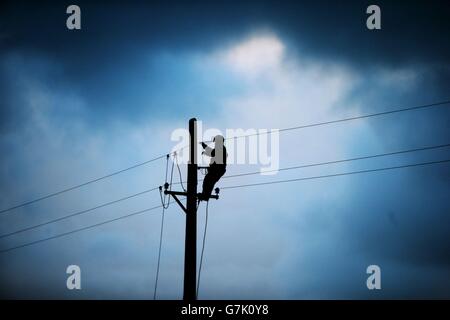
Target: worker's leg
210, 180
208, 185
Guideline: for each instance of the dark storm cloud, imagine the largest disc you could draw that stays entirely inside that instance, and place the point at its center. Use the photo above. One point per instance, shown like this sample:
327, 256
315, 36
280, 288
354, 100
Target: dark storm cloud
413, 31
116, 36
8, 118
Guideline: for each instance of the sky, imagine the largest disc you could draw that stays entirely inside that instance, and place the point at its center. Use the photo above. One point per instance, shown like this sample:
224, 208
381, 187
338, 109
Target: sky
79, 104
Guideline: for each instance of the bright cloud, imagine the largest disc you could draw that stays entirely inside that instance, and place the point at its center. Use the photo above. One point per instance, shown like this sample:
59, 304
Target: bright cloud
256, 55
290, 93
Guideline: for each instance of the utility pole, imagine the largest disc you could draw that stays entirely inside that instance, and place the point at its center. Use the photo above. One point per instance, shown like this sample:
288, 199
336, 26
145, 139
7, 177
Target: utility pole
190, 253
190, 244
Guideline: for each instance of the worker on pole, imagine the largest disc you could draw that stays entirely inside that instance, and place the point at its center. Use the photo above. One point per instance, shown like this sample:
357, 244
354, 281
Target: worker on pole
217, 165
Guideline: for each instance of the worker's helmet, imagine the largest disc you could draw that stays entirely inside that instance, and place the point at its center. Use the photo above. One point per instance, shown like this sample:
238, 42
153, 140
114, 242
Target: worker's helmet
218, 139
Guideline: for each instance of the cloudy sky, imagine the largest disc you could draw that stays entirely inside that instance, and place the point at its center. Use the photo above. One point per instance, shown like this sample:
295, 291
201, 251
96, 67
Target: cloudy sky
77, 105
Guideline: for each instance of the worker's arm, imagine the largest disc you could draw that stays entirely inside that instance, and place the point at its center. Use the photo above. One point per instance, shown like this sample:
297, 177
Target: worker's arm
208, 150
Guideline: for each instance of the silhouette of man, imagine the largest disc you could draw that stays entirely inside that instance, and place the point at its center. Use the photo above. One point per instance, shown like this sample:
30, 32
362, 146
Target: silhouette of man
217, 165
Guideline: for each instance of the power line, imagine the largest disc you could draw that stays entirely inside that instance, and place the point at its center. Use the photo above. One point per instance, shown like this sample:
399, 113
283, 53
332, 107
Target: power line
440, 146
164, 207
163, 198
179, 173
234, 187
341, 160
376, 114
77, 213
159, 251
80, 229
335, 175
230, 176
237, 137
80, 185
203, 248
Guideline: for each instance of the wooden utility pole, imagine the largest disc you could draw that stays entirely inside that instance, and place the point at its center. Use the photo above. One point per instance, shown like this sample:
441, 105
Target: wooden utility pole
190, 253
190, 244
